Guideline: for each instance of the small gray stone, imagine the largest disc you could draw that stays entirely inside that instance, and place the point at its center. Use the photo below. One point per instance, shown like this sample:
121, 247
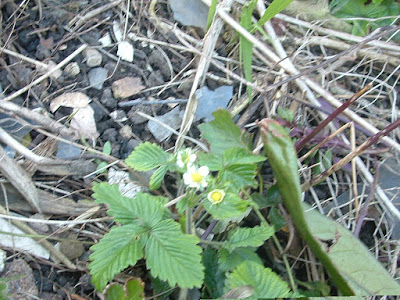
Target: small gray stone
119, 115
137, 119
110, 134
97, 76
126, 132
93, 57
107, 99
99, 112
41, 228
126, 149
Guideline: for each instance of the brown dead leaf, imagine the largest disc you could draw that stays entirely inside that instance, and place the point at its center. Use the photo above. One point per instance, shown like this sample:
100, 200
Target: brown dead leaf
83, 121
127, 87
74, 100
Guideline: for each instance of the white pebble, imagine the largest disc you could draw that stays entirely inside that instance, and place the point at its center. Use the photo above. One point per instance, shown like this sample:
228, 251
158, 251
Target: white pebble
106, 40
125, 51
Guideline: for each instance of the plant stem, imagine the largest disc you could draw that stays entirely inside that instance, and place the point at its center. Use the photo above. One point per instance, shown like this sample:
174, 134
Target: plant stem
332, 116
212, 243
275, 239
360, 149
280, 249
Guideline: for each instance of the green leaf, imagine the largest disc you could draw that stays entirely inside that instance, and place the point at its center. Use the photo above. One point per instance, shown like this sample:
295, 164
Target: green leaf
276, 219
161, 287
157, 177
273, 9
107, 148
231, 206
240, 156
4, 288
174, 256
240, 176
102, 165
249, 237
213, 161
118, 249
211, 13
222, 133
246, 47
186, 202
147, 156
283, 159
133, 289
265, 282
121, 208
364, 273
229, 261
231, 156
360, 9
147, 209
115, 292
214, 279
285, 114
272, 198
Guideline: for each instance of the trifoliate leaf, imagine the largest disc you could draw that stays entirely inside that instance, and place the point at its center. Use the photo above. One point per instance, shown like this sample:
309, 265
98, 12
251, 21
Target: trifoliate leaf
229, 261
214, 279
174, 256
157, 177
231, 206
265, 282
249, 237
118, 249
149, 209
240, 156
240, 176
212, 161
222, 133
147, 156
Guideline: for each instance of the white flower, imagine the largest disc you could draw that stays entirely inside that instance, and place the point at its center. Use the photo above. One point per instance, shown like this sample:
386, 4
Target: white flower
216, 196
196, 177
185, 158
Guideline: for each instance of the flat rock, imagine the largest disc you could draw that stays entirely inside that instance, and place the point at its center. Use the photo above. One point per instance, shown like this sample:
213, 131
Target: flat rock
172, 119
210, 101
21, 285
97, 77
127, 87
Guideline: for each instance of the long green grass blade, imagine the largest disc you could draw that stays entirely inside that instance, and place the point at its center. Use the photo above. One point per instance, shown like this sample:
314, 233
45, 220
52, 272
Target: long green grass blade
273, 9
211, 13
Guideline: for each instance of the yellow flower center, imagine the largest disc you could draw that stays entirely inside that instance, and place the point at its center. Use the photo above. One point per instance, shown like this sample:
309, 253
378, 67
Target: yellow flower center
216, 196
197, 177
